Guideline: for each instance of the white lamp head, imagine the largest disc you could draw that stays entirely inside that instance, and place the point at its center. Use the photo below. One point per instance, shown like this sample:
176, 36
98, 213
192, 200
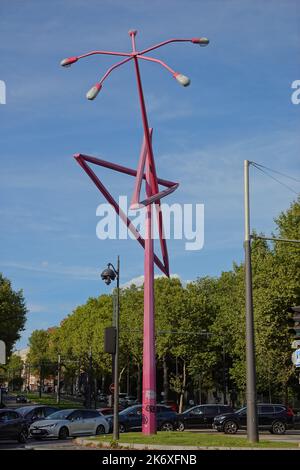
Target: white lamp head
68, 61
201, 41
93, 92
182, 79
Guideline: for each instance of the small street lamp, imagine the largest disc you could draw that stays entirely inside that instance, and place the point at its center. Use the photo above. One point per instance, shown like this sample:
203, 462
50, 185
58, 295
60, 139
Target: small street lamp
110, 274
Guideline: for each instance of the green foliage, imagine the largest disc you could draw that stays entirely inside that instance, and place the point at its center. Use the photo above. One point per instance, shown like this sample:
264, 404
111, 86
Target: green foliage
13, 372
12, 313
200, 327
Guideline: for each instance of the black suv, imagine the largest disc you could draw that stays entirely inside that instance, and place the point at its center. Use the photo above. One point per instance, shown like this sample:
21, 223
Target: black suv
274, 418
201, 416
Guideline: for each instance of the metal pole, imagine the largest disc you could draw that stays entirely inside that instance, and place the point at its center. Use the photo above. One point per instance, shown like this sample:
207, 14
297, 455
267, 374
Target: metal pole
252, 428
58, 380
128, 378
116, 363
40, 389
224, 374
90, 380
149, 364
113, 356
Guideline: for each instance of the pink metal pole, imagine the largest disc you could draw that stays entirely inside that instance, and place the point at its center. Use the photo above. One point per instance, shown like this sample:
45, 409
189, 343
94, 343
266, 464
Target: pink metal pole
149, 365
153, 196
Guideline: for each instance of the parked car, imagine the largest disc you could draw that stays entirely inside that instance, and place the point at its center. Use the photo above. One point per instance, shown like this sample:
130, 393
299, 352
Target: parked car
172, 404
13, 425
65, 423
297, 420
108, 410
131, 419
36, 412
201, 416
102, 398
275, 418
21, 399
130, 400
122, 399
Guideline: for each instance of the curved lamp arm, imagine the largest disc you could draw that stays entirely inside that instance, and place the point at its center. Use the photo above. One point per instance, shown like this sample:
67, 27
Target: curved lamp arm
201, 41
114, 67
93, 92
151, 59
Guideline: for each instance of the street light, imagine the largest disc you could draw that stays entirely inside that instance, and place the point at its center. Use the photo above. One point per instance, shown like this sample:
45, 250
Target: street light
145, 171
110, 274
252, 424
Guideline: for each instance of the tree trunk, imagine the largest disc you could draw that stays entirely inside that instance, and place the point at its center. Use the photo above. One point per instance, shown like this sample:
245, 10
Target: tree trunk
286, 394
181, 401
165, 381
128, 379
139, 388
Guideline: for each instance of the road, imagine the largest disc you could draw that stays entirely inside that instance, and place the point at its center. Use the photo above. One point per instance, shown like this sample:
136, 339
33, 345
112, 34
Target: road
69, 444
46, 444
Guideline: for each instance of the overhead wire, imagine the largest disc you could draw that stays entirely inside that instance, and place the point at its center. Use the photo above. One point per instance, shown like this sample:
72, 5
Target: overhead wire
260, 167
278, 172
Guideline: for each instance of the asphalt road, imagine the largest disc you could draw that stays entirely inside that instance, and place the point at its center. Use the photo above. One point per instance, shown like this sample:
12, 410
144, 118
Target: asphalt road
69, 444
46, 444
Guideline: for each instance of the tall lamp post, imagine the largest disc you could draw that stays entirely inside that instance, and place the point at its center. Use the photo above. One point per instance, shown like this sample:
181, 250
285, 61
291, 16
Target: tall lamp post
252, 427
110, 274
145, 171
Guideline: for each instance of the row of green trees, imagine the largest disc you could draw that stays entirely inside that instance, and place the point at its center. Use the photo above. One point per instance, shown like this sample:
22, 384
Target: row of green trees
12, 323
200, 327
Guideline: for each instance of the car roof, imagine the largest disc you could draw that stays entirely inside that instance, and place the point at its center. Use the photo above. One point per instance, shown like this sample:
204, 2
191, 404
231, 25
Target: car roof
29, 408
4, 410
271, 404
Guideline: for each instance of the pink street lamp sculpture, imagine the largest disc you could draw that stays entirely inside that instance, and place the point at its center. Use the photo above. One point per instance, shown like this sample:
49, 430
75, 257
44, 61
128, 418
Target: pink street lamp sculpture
145, 171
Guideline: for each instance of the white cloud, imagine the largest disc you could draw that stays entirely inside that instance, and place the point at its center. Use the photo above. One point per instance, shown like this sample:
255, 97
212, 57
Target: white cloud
78, 272
139, 280
37, 308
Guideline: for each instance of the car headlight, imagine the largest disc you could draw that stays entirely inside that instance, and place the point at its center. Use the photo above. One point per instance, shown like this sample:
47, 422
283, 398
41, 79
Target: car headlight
48, 425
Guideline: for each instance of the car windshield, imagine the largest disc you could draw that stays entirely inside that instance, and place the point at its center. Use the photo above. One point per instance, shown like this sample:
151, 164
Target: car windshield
188, 410
24, 410
241, 410
62, 414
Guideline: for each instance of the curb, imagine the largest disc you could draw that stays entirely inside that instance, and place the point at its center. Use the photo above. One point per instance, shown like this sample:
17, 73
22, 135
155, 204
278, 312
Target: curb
126, 445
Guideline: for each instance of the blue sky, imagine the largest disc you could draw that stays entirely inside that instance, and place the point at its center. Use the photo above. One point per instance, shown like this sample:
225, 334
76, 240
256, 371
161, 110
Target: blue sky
237, 107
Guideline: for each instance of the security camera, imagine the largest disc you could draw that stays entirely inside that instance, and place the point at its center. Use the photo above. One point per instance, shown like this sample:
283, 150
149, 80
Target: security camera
108, 275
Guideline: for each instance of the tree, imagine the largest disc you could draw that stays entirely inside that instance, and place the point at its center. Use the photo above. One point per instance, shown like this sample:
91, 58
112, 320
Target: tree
12, 314
14, 370
39, 355
131, 333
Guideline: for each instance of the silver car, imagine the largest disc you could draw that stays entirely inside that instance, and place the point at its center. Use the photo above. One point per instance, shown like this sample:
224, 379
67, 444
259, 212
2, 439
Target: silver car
65, 423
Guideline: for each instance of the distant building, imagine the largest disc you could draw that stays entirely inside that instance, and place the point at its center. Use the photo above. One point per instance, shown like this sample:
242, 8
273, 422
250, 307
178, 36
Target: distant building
30, 380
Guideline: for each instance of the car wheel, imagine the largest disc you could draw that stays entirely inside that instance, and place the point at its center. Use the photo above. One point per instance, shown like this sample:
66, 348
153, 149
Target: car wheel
63, 433
278, 427
181, 426
167, 426
230, 427
122, 428
100, 430
22, 437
